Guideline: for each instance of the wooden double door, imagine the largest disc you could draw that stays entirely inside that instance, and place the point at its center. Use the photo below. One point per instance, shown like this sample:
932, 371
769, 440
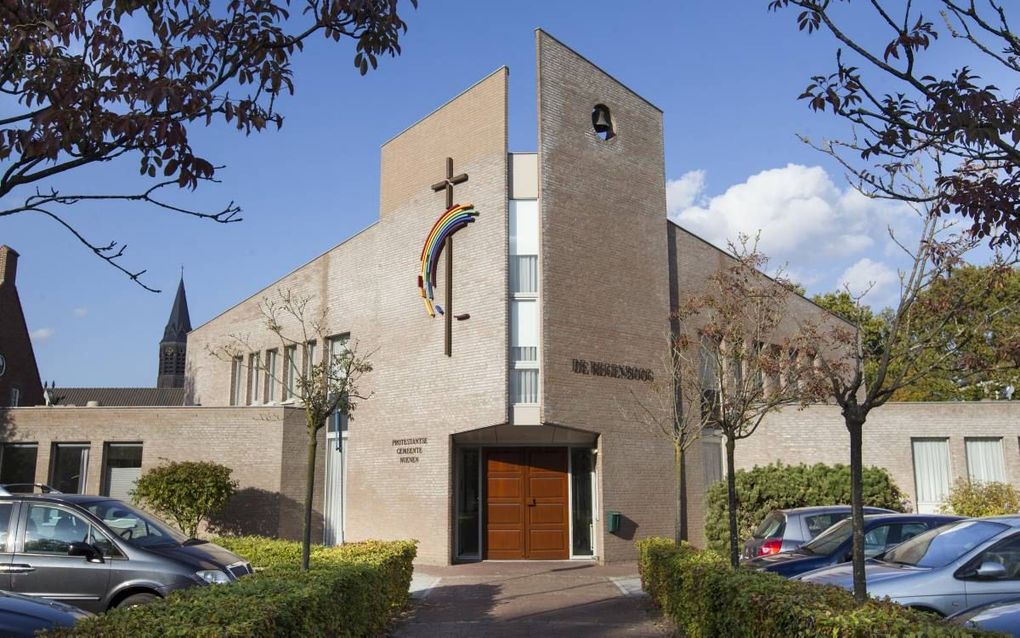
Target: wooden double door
526, 503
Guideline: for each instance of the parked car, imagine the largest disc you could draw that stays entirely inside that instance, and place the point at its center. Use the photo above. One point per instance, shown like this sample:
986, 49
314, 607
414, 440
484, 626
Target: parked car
881, 532
786, 530
95, 552
22, 616
964, 564
1001, 617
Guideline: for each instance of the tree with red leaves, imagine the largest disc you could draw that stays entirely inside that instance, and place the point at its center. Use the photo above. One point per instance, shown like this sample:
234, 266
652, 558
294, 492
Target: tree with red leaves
82, 91
900, 113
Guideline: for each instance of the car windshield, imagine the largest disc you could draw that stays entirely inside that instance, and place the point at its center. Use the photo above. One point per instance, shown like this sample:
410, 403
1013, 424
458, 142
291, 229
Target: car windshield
134, 526
773, 525
943, 545
829, 540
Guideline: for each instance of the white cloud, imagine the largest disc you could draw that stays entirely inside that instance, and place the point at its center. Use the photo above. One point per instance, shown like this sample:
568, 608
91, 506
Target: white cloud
805, 220
41, 335
685, 192
875, 280
80, 312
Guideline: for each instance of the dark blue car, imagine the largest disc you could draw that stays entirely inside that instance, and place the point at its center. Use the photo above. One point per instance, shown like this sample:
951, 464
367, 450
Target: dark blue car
831, 547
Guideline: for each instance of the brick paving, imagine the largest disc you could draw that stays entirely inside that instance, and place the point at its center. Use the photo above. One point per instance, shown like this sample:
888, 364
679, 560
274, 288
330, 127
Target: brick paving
540, 599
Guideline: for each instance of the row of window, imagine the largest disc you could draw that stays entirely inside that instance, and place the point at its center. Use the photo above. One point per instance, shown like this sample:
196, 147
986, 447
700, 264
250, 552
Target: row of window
933, 475
69, 463
767, 368
269, 376
524, 315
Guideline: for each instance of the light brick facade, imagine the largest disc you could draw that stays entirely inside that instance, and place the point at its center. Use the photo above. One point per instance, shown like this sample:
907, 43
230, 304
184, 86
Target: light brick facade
610, 268
818, 435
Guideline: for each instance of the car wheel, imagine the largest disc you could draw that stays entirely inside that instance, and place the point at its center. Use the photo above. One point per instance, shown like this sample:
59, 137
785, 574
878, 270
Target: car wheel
135, 600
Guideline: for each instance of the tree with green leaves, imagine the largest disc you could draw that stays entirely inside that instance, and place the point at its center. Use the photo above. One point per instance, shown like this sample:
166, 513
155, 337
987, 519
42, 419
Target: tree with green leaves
979, 367
327, 387
90, 81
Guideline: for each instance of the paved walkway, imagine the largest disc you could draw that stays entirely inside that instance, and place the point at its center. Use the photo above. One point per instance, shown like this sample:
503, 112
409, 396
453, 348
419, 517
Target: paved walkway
534, 599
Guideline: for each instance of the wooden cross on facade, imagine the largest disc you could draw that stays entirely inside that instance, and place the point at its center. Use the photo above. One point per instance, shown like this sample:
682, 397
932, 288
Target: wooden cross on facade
447, 185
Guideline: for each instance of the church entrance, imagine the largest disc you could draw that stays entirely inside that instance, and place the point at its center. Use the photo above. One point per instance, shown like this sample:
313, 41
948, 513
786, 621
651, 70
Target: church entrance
526, 503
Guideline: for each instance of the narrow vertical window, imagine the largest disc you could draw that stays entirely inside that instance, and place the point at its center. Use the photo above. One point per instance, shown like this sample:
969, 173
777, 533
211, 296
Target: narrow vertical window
308, 364
524, 308
271, 375
290, 372
237, 381
254, 365
15, 397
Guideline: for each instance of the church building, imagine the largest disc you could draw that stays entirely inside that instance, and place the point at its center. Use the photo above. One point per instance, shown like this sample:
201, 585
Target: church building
515, 310
515, 306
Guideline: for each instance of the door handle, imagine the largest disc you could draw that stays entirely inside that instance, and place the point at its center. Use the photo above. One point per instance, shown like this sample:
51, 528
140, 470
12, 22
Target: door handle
531, 502
20, 568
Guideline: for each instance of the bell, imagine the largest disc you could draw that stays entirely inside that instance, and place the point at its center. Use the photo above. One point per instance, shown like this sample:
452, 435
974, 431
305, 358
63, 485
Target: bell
600, 120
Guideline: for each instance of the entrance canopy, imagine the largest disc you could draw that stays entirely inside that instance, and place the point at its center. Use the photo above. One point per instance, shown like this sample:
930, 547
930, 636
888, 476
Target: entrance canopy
526, 435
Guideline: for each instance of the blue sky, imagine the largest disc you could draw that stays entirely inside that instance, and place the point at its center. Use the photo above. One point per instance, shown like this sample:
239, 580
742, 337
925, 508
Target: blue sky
726, 78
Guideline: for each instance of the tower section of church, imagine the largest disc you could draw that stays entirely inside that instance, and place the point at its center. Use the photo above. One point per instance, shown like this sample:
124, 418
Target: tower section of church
173, 348
19, 374
604, 283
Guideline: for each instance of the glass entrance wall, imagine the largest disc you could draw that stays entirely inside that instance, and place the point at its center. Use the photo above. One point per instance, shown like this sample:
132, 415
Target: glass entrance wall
581, 502
469, 521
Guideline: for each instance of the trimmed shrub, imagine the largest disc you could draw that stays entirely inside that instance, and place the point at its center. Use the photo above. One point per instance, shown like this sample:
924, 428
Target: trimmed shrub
981, 499
704, 596
777, 486
350, 590
186, 492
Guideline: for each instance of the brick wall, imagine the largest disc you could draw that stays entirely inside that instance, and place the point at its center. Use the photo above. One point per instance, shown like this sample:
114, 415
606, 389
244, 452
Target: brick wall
818, 435
255, 442
604, 282
368, 286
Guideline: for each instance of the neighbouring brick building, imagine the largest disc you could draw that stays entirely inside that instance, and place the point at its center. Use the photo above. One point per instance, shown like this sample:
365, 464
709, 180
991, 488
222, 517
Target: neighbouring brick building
516, 436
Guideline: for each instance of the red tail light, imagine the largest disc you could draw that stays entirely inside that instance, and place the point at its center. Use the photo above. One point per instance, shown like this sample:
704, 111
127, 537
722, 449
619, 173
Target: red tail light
771, 546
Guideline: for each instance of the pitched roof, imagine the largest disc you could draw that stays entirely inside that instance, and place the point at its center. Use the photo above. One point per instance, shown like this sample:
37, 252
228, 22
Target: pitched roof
133, 397
179, 324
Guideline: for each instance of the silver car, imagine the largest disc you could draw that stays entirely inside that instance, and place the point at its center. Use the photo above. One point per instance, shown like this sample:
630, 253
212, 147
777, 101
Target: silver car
945, 570
786, 530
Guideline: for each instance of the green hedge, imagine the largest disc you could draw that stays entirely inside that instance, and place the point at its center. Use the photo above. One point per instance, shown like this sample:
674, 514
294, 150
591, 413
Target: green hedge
777, 486
351, 590
704, 596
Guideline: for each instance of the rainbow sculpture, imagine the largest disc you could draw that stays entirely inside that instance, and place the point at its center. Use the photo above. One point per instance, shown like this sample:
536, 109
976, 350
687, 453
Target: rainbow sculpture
456, 217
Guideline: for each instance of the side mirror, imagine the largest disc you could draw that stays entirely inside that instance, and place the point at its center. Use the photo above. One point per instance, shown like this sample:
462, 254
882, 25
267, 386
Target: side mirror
91, 554
991, 570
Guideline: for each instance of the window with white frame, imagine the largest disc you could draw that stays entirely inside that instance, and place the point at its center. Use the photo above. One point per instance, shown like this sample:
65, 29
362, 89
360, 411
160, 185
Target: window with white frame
524, 309
237, 381
931, 473
309, 359
254, 365
524, 350
984, 459
711, 452
290, 372
271, 375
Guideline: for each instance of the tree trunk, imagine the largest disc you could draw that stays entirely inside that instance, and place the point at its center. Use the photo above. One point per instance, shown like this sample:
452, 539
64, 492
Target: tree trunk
306, 535
857, 507
731, 501
680, 466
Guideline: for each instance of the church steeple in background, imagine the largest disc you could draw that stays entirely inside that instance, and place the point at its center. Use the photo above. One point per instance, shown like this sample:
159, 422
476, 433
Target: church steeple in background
174, 346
